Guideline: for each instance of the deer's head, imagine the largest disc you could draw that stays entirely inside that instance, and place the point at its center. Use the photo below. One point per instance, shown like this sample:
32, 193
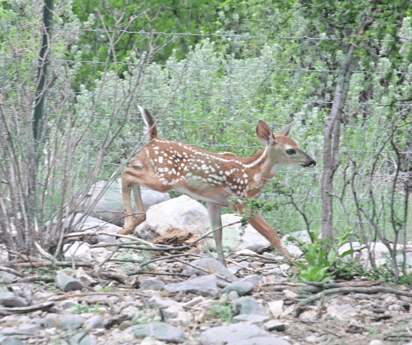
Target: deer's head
283, 151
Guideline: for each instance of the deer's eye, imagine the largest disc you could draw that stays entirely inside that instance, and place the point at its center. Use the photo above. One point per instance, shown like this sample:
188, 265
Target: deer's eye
291, 151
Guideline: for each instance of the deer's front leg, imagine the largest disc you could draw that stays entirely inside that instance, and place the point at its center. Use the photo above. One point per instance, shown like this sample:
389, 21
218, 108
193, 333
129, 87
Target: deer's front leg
129, 183
216, 222
262, 226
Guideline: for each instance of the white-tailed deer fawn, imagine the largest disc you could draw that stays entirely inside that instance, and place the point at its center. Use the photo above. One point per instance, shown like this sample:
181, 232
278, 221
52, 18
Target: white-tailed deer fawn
216, 178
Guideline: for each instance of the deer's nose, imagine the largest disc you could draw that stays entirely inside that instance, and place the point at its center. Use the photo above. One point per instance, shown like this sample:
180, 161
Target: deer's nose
309, 164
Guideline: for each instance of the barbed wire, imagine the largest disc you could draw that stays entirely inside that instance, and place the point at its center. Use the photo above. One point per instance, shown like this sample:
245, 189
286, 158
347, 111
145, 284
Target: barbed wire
220, 67
6, 27
224, 99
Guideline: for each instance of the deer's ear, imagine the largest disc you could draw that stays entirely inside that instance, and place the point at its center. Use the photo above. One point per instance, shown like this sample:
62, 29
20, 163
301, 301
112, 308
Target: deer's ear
264, 133
286, 130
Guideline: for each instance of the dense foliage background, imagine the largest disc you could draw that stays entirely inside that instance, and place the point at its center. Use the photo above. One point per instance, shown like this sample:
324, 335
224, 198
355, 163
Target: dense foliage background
209, 70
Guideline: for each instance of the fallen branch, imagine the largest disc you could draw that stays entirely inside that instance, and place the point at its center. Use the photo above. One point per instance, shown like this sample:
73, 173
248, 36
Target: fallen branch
37, 264
12, 271
83, 294
159, 274
166, 258
22, 310
210, 271
97, 233
345, 290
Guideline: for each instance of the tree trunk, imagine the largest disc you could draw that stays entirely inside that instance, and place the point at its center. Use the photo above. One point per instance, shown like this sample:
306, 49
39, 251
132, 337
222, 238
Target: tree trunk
331, 134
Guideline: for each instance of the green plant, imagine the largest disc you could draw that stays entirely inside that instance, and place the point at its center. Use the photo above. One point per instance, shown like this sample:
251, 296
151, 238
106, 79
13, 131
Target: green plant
223, 310
84, 308
322, 256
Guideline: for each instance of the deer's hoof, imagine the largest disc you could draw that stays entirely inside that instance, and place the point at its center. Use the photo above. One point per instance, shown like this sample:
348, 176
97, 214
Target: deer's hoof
124, 232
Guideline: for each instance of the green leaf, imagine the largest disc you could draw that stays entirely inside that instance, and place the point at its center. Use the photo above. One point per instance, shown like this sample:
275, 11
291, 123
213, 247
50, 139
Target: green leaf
310, 258
347, 252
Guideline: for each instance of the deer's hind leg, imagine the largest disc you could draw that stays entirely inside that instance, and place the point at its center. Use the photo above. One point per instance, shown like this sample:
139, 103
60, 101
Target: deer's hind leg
216, 222
131, 181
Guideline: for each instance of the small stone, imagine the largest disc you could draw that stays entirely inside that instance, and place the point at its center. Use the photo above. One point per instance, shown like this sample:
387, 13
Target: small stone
67, 283
161, 331
77, 251
29, 327
70, 321
395, 307
240, 334
309, 316
84, 278
254, 279
98, 332
212, 266
156, 301
276, 308
377, 342
94, 322
184, 316
173, 310
10, 300
249, 310
241, 287
84, 339
366, 312
274, 325
10, 341
204, 286
151, 284
132, 311
193, 302
311, 338
123, 338
290, 294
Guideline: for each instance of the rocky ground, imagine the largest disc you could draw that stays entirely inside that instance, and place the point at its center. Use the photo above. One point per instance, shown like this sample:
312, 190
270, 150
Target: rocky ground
189, 298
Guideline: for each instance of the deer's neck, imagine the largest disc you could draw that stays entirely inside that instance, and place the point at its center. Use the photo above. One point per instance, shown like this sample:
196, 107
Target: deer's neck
258, 167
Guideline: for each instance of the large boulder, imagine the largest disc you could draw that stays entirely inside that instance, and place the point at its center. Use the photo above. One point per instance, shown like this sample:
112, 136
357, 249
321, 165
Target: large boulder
237, 237
110, 206
182, 213
80, 222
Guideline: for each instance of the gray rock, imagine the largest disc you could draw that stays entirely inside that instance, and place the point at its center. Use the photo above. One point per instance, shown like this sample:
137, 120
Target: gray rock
212, 266
249, 310
231, 235
82, 223
273, 340
291, 247
67, 283
29, 327
193, 302
161, 303
254, 279
7, 278
69, 321
275, 325
204, 286
180, 213
151, 284
15, 331
110, 206
241, 287
50, 321
161, 331
84, 278
9, 299
240, 334
10, 341
95, 321
253, 240
24, 291
82, 339
77, 251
